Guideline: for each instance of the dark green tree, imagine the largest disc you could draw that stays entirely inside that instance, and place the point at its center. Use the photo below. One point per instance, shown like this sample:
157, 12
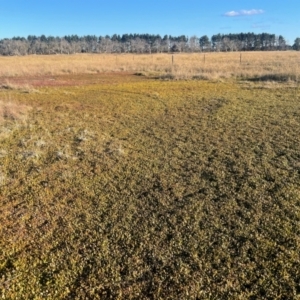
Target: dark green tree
296, 45
204, 42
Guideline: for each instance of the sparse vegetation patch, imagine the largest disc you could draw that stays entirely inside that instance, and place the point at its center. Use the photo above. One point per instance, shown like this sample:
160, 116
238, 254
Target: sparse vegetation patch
11, 111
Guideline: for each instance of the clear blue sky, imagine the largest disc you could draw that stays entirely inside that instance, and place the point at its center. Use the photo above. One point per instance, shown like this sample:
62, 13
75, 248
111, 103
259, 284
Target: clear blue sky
175, 17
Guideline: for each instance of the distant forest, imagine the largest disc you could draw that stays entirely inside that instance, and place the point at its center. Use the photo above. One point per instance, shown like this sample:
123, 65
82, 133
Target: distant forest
144, 43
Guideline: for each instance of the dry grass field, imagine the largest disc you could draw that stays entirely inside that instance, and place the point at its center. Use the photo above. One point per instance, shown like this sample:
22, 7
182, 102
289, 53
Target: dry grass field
118, 186
253, 65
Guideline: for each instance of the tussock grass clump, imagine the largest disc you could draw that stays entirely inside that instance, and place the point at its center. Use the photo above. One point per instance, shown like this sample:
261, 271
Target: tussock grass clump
276, 77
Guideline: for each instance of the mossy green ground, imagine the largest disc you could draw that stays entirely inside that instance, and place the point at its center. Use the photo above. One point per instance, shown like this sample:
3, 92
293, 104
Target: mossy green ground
130, 188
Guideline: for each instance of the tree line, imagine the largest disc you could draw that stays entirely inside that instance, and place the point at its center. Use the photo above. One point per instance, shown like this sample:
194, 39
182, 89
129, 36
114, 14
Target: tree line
144, 43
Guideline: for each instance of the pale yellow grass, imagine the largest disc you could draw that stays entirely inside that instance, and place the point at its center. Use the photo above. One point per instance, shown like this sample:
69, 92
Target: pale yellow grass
23, 87
11, 111
261, 65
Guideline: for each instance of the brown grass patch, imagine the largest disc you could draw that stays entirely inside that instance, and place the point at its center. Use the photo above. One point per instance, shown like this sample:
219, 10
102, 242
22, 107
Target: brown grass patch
11, 111
19, 86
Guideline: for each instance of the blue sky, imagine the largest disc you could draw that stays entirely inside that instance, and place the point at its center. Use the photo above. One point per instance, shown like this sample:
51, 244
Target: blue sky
175, 17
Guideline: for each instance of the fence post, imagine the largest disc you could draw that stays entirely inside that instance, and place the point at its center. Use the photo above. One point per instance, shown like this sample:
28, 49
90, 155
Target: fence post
172, 59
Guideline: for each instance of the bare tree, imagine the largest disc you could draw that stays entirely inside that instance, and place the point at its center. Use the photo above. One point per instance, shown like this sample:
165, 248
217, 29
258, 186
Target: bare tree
166, 44
194, 44
157, 46
138, 45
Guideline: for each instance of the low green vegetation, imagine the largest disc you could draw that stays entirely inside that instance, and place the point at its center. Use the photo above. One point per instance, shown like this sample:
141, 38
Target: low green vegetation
124, 187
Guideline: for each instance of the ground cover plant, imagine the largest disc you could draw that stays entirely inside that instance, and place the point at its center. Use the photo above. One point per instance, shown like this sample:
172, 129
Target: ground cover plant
118, 186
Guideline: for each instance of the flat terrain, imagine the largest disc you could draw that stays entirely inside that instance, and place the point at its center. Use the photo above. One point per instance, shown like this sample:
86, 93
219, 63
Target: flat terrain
117, 186
275, 65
